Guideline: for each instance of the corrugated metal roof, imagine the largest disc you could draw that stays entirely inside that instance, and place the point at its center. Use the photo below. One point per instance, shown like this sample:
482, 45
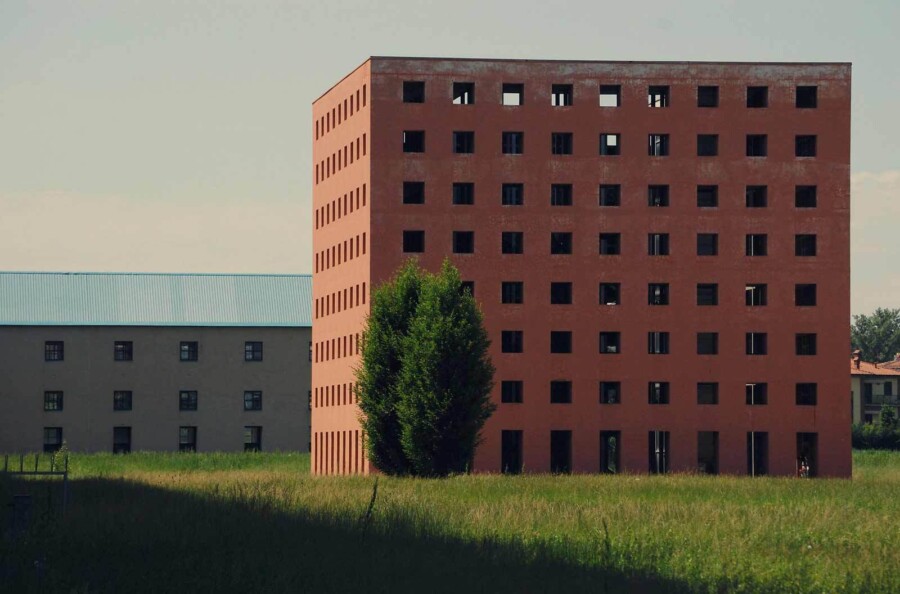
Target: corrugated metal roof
139, 299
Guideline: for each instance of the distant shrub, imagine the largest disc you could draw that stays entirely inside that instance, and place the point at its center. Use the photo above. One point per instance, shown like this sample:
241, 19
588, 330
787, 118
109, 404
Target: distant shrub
876, 436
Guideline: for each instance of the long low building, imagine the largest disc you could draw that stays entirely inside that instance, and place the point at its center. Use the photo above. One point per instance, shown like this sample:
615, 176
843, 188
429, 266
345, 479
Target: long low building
126, 362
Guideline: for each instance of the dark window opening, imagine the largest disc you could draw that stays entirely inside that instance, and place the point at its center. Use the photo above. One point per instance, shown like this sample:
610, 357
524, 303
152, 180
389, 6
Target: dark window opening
610, 293
757, 394
413, 192
708, 452
707, 145
757, 453
707, 393
252, 400
658, 96
189, 351
560, 242
805, 295
756, 343
756, 245
122, 400
187, 439
463, 242
513, 143
756, 294
757, 145
658, 343
252, 438
561, 195
463, 93
806, 345
121, 440
707, 196
512, 242
658, 294
413, 242
463, 142
512, 292
707, 96
708, 294
561, 95
610, 343
511, 461
511, 341
123, 350
805, 145
561, 452
560, 293
610, 392
561, 143
512, 391
253, 351
658, 448
610, 244
610, 448
53, 438
807, 97
560, 392
187, 400
757, 97
53, 401
757, 196
513, 94
658, 244
658, 195
805, 197
512, 194
560, 342
463, 193
805, 245
658, 145
54, 350
414, 91
658, 393
413, 141
707, 244
610, 194
707, 343
610, 144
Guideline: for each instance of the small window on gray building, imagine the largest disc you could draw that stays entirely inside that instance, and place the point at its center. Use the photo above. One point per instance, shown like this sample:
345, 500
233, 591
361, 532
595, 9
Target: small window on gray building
252, 400
189, 351
187, 400
53, 439
187, 439
253, 351
123, 350
53, 401
122, 400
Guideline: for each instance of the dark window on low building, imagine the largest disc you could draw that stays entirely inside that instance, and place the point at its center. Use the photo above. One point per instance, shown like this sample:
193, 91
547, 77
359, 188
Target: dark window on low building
511, 341
757, 394
53, 438
807, 394
757, 145
658, 294
561, 195
658, 195
561, 95
610, 392
806, 345
513, 143
804, 245
756, 343
610, 194
707, 244
560, 392
707, 294
463, 193
610, 144
189, 351
610, 343
658, 145
54, 350
122, 400
757, 196
658, 96
187, 400
53, 401
707, 343
413, 192
807, 97
707, 145
253, 351
756, 244
187, 439
463, 142
512, 194
805, 295
757, 96
707, 393
463, 242
658, 343
123, 350
610, 244
560, 341
413, 242
658, 392
560, 293
414, 91
560, 242
512, 242
707, 96
413, 141
463, 93
610, 293
121, 440
756, 294
707, 196
512, 391
252, 400
512, 292
252, 438
805, 145
561, 143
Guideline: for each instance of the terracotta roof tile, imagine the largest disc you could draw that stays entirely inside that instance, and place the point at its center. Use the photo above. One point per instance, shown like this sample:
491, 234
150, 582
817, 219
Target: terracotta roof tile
866, 368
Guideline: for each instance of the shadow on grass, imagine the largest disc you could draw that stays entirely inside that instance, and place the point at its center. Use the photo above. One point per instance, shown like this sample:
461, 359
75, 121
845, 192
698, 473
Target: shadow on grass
124, 536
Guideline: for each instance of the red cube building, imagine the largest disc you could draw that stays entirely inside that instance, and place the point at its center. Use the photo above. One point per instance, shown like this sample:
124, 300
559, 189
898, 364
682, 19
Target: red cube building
661, 251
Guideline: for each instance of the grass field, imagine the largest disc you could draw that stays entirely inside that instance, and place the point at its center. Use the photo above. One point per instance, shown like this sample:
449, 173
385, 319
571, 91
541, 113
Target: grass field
260, 523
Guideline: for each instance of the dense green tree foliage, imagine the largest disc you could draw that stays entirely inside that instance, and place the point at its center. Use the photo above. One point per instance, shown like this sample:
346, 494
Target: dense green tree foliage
876, 335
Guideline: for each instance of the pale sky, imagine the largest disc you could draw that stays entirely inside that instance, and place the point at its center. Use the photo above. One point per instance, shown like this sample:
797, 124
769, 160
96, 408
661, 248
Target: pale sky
175, 136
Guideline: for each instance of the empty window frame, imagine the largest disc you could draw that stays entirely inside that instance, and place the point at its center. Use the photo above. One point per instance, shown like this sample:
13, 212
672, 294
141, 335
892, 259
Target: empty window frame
561, 195
413, 242
610, 244
610, 293
756, 394
53, 438
610, 452
708, 452
54, 350
707, 393
414, 91
512, 194
413, 141
804, 245
707, 294
463, 193
187, 439
561, 143
707, 145
512, 391
560, 242
560, 392
658, 195
413, 192
561, 293
463, 93
610, 144
707, 196
610, 194
512, 292
187, 400
610, 343
560, 452
658, 393
511, 341
658, 294
756, 244
707, 244
805, 295
123, 350
463, 142
467, 287
756, 343
658, 96
122, 400
805, 145
805, 345
658, 145
757, 453
707, 343
252, 438
805, 196
658, 450
610, 392
707, 96
512, 143
757, 97
561, 95
560, 341
807, 454
53, 401
252, 400
610, 95
463, 242
757, 145
658, 244
806, 394
807, 97
189, 351
513, 94
511, 459
756, 294
253, 351
756, 196
121, 440
512, 242
657, 343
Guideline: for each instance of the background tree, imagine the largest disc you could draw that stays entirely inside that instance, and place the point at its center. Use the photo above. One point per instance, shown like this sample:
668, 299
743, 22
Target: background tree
446, 378
425, 378
876, 335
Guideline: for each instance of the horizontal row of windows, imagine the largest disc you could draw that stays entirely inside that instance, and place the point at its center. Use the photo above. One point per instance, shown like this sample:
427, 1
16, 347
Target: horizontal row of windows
755, 343
121, 438
336, 348
339, 301
658, 392
334, 395
339, 253
658, 195
123, 350
341, 206
658, 452
342, 158
340, 112
562, 293
610, 244
608, 95
610, 145
54, 400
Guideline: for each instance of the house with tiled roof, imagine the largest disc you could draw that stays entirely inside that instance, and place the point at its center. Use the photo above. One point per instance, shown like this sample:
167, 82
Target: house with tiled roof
872, 386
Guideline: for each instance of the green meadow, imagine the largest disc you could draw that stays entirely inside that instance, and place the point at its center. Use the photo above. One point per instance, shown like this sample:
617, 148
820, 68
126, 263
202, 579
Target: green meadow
260, 523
